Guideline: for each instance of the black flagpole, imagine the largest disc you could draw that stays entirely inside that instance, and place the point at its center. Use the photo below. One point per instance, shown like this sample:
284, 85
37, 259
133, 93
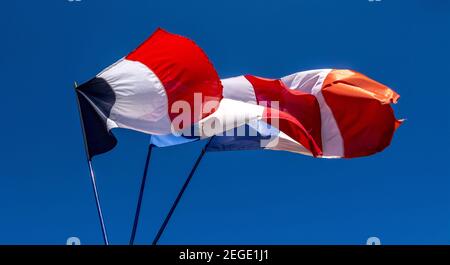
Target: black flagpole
141, 195
180, 194
91, 172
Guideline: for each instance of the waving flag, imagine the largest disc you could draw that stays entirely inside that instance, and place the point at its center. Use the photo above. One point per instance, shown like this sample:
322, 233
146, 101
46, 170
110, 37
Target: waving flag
346, 113
140, 90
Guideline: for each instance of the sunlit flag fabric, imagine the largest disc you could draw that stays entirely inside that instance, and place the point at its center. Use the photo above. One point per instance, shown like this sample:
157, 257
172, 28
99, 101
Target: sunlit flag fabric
346, 113
138, 91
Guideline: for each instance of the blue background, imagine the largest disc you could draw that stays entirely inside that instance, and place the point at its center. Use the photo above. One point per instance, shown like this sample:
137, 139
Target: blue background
255, 197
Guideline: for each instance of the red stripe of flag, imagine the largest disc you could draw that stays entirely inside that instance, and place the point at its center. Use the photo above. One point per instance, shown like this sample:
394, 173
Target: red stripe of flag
299, 113
361, 107
183, 68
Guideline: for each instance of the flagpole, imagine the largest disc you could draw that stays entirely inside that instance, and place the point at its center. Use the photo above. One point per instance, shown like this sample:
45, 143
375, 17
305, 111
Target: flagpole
141, 195
180, 194
91, 172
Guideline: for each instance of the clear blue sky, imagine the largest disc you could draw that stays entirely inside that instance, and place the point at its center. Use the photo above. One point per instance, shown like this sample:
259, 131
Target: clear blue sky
401, 195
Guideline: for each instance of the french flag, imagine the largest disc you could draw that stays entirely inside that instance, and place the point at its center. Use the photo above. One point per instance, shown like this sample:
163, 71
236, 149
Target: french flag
139, 90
